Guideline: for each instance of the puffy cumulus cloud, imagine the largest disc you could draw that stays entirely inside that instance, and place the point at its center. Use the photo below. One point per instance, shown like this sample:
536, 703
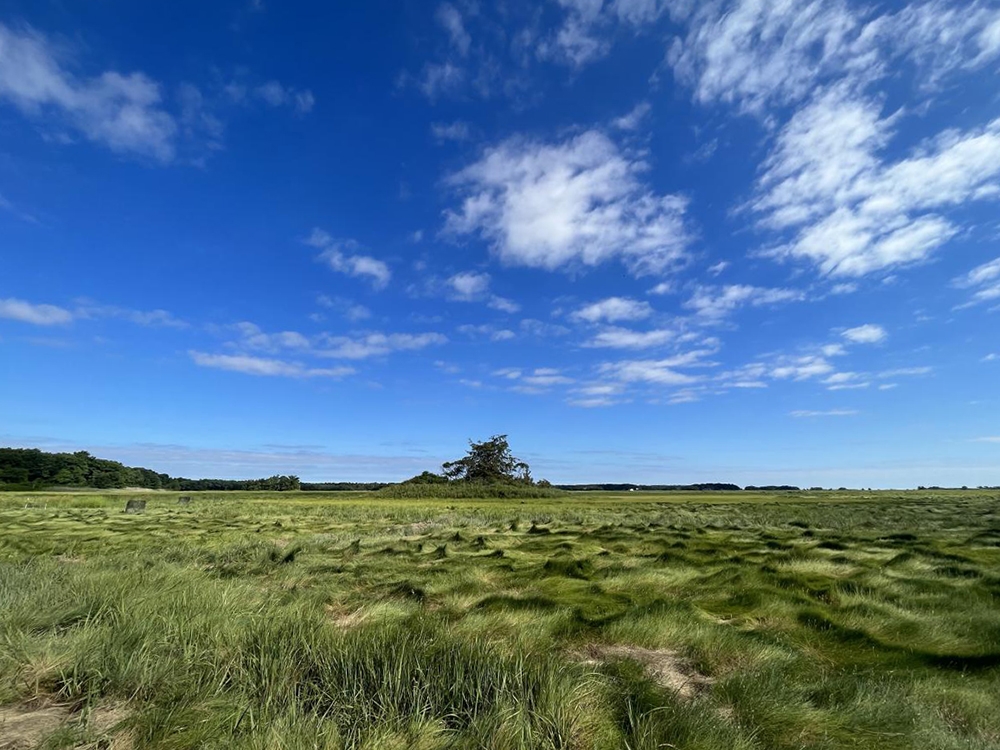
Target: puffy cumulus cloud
342, 256
578, 202
612, 310
123, 112
469, 286
35, 314
984, 280
849, 210
715, 303
267, 367
866, 334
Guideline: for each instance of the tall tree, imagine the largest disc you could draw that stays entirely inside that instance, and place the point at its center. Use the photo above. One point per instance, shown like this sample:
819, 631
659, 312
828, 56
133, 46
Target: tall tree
488, 461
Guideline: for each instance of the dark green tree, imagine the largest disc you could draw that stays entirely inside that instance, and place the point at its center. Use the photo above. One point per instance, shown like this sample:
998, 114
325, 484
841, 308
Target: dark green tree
489, 461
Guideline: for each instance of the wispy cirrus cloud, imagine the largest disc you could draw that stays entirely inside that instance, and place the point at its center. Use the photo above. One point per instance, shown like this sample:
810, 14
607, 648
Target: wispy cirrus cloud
375, 344
127, 113
344, 256
250, 365
806, 413
715, 303
984, 280
34, 313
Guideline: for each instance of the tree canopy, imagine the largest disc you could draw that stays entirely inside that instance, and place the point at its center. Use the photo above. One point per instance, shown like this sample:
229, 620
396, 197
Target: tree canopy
29, 468
490, 461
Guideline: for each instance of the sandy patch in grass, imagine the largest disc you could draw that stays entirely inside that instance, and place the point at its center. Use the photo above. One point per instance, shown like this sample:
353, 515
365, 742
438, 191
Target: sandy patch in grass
22, 727
666, 667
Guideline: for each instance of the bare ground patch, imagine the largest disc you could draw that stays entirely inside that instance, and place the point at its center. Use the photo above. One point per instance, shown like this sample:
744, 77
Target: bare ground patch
664, 666
24, 727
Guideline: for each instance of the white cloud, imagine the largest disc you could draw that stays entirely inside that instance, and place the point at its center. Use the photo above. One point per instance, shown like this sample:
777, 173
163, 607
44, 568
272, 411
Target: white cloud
35, 314
943, 37
980, 275
586, 31
341, 255
715, 303
278, 95
458, 130
991, 357
852, 212
848, 288
252, 337
634, 118
623, 338
718, 268
903, 372
439, 79
125, 113
656, 371
866, 334
840, 381
612, 310
799, 367
756, 54
991, 439
987, 278
545, 377
469, 285
800, 413
540, 328
451, 20
578, 202
375, 344
88, 310
266, 367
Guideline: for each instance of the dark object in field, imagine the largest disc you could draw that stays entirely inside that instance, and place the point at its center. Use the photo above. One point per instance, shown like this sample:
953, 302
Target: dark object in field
185, 500
536, 529
135, 506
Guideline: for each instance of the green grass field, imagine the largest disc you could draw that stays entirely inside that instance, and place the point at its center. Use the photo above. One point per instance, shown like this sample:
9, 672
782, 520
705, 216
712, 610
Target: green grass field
803, 620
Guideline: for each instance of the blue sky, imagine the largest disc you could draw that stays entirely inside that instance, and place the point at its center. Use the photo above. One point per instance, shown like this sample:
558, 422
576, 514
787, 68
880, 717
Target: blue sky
651, 241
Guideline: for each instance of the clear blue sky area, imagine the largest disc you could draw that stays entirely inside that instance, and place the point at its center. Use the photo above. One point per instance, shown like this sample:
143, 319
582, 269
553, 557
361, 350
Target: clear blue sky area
651, 241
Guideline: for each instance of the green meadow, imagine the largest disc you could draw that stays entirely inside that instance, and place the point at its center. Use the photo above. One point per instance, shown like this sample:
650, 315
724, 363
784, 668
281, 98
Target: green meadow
631, 620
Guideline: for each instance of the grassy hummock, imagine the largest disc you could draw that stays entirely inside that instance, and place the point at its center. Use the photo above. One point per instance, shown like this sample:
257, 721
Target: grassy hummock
799, 620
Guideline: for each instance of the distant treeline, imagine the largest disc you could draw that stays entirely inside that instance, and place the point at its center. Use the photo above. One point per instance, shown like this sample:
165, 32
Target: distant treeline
29, 469
343, 486
703, 487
